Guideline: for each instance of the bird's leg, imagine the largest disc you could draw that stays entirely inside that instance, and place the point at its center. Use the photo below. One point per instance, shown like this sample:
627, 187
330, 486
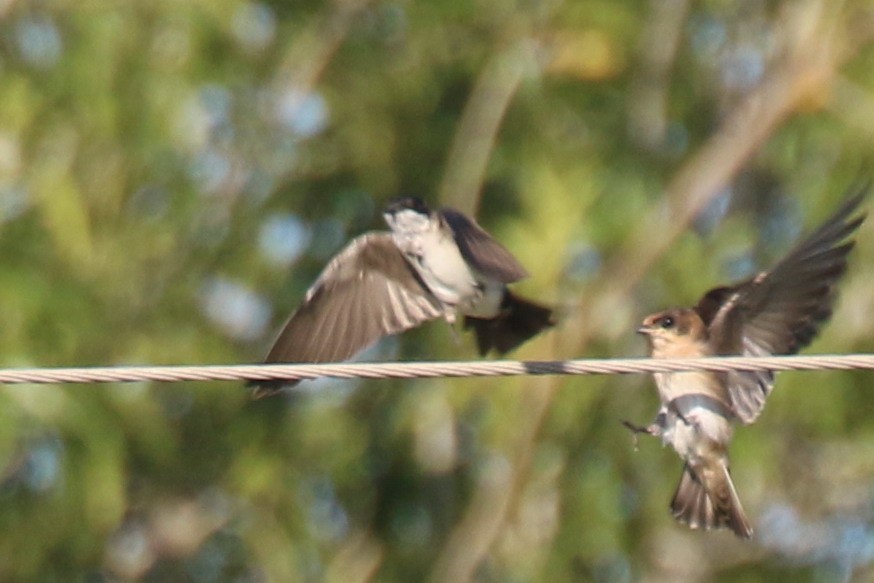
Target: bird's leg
450, 316
652, 429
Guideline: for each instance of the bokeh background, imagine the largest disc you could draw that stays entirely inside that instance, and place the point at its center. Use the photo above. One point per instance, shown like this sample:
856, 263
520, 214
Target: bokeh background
174, 175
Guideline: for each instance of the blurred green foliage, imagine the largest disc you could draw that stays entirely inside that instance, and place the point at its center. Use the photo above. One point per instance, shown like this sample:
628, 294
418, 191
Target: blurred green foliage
174, 175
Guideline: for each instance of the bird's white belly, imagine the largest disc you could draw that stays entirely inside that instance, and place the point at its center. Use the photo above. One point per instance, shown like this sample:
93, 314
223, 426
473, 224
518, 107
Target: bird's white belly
685, 434
487, 302
697, 433
445, 271
681, 436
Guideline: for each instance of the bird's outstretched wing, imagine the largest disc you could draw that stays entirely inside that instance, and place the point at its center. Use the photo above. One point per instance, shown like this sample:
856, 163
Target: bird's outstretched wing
481, 250
780, 311
366, 292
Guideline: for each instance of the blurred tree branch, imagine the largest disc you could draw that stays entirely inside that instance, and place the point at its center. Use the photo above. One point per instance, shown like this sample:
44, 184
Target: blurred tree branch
308, 57
358, 560
661, 39
853, 104
480, 123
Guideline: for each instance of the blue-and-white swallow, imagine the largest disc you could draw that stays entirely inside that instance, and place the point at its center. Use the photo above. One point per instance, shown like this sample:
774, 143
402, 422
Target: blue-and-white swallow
430, 264
775, 312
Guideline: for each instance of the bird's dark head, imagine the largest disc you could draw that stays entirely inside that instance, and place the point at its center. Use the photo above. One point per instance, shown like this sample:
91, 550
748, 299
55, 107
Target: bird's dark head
407, 214
407, 203
674, 331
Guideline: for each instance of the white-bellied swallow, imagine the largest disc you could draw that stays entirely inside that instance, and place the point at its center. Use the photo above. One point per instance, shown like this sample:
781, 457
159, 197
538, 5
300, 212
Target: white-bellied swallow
430, 264
775, 312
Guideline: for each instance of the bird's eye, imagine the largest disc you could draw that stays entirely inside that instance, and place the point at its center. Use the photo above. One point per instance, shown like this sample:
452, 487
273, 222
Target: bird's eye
667, 322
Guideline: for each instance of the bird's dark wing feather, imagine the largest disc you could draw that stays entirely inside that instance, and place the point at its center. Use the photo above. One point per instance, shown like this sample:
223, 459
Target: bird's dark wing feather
780, 311
481, 250
366, 292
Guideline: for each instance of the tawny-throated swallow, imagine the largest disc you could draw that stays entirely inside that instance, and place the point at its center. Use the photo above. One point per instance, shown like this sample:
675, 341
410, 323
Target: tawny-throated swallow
775, 312
430, 264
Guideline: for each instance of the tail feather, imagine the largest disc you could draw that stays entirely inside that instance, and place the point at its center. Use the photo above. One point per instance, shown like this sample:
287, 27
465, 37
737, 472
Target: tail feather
710, 501
518, 320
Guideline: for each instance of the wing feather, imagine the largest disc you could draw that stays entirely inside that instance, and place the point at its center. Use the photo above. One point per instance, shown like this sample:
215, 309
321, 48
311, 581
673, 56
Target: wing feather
482, 251
366, 292
780, 311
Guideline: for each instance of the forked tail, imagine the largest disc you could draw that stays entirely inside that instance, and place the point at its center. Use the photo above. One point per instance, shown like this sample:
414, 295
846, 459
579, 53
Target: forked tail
714, 505
518, 320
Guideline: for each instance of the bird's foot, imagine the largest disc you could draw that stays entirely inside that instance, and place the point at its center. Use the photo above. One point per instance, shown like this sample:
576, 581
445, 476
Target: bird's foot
636, 430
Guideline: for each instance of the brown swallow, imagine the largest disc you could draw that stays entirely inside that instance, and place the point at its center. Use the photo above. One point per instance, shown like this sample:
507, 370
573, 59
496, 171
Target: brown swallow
431, 264
776, 312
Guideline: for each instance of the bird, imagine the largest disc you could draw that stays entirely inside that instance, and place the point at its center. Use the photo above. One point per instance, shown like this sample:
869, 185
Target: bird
776, 312
430, 264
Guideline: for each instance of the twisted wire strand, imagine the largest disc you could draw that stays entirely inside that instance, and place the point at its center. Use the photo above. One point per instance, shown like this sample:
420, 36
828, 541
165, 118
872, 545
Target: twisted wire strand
405, 370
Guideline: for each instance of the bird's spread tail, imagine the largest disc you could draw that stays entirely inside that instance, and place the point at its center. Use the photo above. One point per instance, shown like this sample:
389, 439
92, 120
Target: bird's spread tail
714, 505
518, 320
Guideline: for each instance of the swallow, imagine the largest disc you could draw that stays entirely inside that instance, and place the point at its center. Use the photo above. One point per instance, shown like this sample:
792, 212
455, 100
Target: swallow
430, 264
776, 312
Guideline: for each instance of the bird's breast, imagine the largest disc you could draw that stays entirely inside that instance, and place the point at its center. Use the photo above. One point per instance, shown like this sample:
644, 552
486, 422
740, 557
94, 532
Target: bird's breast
442, 268
675, 384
